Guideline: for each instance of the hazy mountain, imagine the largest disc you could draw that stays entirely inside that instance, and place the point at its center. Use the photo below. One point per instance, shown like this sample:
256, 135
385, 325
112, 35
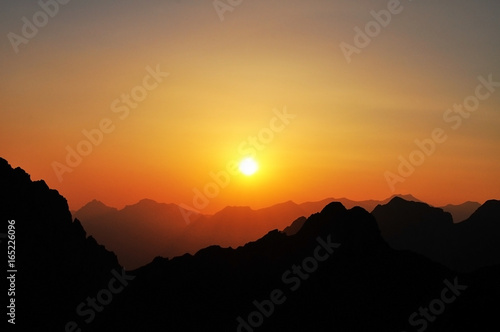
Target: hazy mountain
462, 211
313, 207
295, 226
94, 210
126, 231
169, 234
235, 226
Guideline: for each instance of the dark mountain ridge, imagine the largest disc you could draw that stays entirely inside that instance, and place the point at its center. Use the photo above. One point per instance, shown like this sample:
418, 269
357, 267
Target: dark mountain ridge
58, 265
430, 231
170, 234
336, 273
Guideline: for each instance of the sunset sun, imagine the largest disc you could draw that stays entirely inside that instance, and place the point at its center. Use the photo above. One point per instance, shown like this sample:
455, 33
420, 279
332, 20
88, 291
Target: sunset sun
248, 166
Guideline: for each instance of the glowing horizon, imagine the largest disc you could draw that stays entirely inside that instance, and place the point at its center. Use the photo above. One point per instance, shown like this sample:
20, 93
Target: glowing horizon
162, 100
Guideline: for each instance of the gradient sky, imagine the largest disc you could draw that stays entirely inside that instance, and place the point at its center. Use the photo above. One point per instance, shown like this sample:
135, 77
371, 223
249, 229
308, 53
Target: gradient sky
353, 120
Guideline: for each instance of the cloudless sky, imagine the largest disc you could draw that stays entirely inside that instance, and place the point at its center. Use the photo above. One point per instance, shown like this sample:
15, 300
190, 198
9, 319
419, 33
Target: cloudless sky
226, 80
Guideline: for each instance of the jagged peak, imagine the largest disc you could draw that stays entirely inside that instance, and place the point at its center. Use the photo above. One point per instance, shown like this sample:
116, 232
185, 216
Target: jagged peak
333, 209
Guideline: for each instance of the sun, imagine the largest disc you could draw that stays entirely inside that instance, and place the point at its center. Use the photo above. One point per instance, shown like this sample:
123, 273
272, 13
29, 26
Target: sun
248, 166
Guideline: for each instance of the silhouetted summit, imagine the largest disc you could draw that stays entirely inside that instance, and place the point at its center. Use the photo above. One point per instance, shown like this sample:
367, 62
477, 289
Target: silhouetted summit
430, 231
486, 215
355, 225
58, 266
414, 226
477, 241
95, 209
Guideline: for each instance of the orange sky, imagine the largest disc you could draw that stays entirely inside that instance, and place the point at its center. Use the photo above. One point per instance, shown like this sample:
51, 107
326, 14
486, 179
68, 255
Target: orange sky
227, 80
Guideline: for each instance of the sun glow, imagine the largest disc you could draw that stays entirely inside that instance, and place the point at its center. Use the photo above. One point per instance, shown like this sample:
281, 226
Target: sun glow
248, 166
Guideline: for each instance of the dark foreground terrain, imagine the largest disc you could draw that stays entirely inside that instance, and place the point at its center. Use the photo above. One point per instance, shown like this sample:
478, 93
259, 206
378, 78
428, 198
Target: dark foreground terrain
336, 273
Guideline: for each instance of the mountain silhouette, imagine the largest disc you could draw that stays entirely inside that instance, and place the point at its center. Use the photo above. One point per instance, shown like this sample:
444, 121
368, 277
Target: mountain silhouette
95, 209
295, 226
430, 231
169, 234
157, 224
477, 238
335, 273
358, 283
462, 211
313, 207
415, 226
235, 226
58, 265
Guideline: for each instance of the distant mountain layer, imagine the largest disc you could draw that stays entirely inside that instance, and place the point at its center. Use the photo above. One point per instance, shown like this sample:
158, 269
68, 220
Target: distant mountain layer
169, 234
335, 273
461, 212
127, 231
295, 227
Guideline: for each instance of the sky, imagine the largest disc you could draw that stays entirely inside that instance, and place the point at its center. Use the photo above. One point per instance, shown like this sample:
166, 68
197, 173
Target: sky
124, 100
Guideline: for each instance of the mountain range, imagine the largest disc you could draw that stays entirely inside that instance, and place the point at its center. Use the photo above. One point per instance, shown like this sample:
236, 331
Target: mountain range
169, 234
464, 246
335, 272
